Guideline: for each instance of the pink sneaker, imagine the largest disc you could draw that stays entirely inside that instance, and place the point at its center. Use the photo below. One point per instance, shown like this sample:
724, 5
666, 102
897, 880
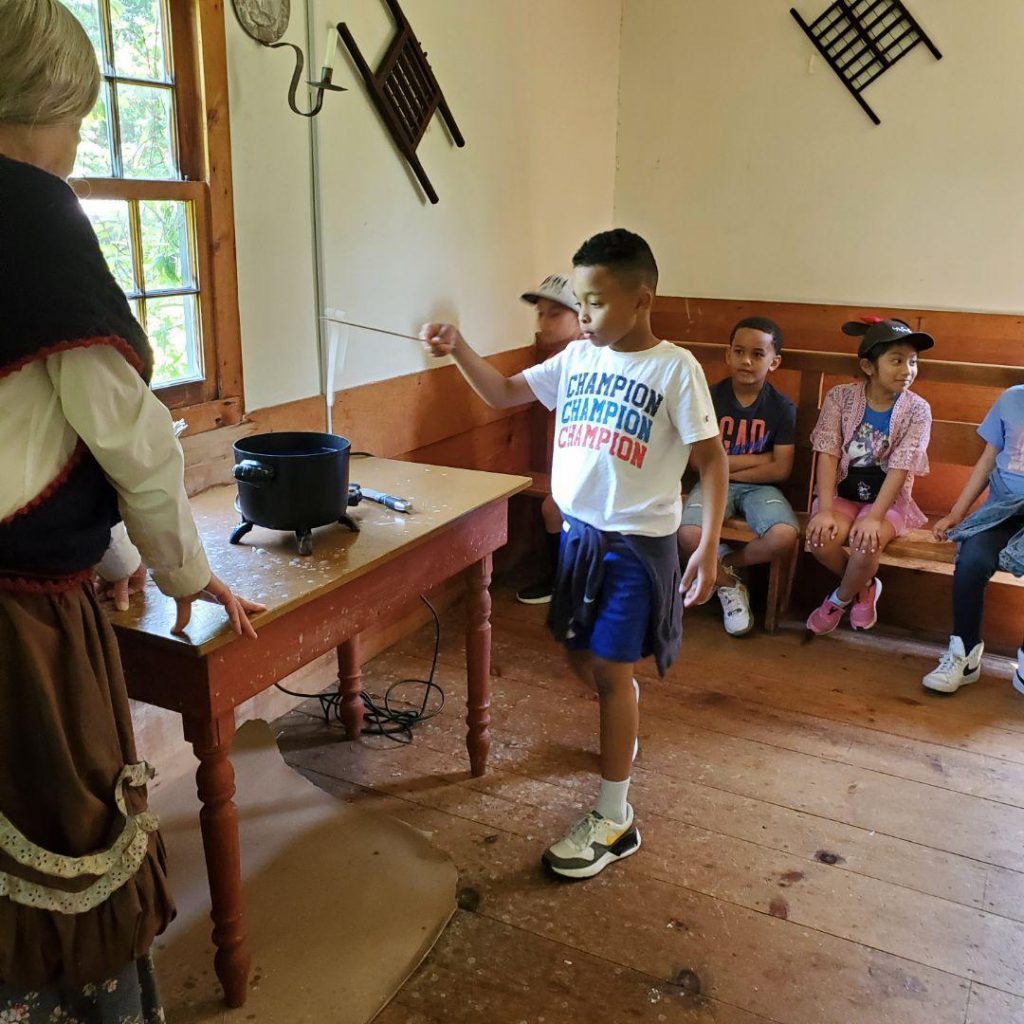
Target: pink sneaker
864, 613
825, 618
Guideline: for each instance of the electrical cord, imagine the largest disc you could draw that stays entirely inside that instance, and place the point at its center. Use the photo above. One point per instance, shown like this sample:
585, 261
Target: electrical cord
382, 719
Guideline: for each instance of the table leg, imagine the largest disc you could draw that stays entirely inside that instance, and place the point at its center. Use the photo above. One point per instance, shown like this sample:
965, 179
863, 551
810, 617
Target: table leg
350, 687
215, 780
478, 665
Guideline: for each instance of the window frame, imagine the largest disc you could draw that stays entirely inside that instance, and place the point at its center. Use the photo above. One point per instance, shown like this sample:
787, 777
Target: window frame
199, 65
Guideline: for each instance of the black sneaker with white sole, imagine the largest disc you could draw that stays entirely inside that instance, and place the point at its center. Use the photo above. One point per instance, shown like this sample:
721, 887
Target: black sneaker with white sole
536, 593
591, 845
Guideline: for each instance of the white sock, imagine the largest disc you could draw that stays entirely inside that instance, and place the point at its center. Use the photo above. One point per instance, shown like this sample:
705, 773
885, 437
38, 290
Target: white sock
837, 600
636, 690
611, 801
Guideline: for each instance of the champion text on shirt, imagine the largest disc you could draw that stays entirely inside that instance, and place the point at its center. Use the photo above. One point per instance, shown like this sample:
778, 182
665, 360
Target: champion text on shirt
608, 411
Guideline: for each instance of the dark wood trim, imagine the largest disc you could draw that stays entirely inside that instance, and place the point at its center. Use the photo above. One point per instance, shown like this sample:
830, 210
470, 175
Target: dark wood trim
222, 253
137, 188
967, 336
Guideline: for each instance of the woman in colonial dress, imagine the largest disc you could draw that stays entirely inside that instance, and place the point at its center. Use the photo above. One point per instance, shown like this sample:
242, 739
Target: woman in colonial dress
89, 464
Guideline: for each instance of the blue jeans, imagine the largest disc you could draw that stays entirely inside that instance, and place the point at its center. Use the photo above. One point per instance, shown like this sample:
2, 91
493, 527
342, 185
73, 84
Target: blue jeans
976, 562
761, 505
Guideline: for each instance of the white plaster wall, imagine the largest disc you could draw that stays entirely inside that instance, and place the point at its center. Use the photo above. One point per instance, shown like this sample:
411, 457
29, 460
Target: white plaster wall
273, 224
756, 175
533, 86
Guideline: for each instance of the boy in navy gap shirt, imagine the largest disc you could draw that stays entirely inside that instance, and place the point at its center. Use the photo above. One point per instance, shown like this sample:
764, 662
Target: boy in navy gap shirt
631, 412
757, 424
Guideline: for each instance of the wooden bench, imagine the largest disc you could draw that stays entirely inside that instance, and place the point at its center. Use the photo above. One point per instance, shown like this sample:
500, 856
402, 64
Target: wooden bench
953, 443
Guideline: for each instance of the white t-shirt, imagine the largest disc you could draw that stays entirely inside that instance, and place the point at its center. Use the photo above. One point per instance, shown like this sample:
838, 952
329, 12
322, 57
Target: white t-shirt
623, 429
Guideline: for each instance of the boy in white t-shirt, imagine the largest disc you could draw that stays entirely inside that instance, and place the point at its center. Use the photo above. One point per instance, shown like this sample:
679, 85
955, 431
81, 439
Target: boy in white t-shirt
632, 411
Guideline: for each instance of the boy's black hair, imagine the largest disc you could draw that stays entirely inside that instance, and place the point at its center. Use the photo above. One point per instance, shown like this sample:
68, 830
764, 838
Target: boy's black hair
765, 326
624, 253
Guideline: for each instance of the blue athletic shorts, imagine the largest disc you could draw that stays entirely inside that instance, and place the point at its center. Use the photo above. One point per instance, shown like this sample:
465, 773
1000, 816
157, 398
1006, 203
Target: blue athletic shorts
762, 505
623, 610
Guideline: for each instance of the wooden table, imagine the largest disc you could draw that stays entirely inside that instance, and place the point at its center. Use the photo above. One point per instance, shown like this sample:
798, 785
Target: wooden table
314, 604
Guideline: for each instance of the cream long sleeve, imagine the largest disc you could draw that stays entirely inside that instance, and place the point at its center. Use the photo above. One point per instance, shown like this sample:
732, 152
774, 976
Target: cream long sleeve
94, 394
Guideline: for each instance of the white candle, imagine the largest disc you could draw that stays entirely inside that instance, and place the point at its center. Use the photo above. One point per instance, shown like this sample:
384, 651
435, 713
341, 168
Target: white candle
330, 47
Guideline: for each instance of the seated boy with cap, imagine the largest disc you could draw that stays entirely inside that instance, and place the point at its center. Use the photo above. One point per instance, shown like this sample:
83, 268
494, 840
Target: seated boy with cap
557, 324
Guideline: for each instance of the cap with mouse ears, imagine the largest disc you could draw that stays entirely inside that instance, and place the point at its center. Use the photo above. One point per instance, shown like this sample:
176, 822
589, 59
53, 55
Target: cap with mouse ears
874, 331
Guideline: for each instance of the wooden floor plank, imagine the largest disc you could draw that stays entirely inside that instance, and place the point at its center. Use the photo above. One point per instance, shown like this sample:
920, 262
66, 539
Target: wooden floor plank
716, 707
894, 704
841, 677
988, 1007
972, 945
484, 970
863, 850
812, 857
972, 826
754, 961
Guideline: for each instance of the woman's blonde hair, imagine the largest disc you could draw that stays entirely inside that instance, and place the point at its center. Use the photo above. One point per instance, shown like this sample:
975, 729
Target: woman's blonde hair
48, 69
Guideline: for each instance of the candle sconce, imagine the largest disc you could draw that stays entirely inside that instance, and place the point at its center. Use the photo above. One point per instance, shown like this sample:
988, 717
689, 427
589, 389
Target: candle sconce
326, 83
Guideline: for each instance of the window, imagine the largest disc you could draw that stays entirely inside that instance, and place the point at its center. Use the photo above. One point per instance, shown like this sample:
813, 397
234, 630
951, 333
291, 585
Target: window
143, 175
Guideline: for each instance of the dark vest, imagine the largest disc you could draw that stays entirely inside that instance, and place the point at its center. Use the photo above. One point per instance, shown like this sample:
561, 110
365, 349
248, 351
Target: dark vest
56, 293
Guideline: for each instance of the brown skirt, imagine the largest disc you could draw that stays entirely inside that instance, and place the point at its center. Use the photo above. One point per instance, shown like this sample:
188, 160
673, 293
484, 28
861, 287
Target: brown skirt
65, 741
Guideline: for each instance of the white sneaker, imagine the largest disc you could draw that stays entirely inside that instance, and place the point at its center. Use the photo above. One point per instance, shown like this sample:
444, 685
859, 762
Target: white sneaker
592, 844
738, 619
956, 669
1018, 676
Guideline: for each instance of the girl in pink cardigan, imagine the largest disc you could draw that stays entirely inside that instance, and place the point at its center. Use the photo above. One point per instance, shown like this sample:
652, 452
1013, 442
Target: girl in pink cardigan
871, 439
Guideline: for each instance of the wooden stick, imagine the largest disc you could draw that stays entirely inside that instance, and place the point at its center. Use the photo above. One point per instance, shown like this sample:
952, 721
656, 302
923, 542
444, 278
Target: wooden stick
366, 327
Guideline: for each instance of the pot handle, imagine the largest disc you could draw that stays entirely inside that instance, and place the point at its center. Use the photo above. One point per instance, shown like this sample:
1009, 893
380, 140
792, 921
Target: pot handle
251, 472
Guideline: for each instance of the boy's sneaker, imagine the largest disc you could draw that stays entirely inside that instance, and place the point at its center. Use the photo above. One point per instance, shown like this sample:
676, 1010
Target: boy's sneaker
826, 618
864, 613
738, 618
956, 668
592, 844
537, 593
1018, 675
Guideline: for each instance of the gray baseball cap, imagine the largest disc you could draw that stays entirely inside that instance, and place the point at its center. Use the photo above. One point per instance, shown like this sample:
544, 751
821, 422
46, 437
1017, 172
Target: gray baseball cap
557, 288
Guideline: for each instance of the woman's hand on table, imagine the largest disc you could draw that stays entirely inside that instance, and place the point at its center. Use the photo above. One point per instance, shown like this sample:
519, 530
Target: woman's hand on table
119, 591
238, 608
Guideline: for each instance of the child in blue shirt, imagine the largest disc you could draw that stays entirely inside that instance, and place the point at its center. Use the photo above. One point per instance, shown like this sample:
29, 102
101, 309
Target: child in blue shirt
990, 538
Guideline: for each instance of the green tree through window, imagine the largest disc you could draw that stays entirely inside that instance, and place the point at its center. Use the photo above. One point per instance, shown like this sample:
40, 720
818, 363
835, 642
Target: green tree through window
146, 227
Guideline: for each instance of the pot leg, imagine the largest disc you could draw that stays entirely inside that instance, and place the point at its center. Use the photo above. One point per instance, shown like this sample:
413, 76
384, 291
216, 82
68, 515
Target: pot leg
305, 539
347, 520
240, 531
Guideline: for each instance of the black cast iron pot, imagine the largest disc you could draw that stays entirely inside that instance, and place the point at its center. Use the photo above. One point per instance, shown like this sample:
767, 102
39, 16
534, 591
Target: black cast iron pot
293, 480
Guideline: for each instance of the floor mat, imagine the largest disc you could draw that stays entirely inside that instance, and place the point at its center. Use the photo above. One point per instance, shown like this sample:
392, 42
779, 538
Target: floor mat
342, 904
